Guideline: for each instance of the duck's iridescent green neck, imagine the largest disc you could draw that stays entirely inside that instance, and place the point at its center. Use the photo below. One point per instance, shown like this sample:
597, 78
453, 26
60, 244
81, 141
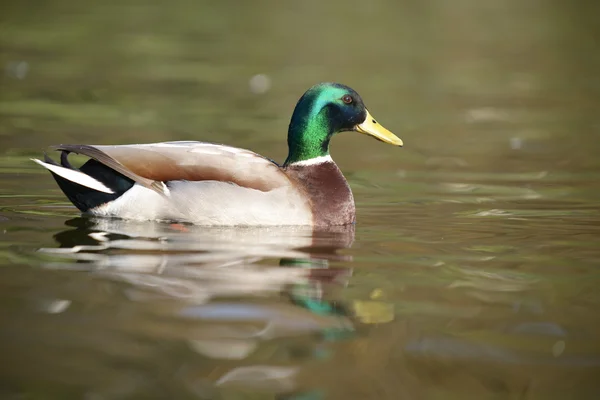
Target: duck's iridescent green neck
311, 126
309, 139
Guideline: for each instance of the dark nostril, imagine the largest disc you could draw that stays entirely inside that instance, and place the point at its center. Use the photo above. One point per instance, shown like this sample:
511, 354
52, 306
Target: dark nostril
373, 121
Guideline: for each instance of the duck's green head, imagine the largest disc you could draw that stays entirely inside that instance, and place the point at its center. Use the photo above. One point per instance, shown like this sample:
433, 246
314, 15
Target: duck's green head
324, 110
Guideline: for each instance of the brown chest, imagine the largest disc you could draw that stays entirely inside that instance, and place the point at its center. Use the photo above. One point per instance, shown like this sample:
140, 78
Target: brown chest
330, 196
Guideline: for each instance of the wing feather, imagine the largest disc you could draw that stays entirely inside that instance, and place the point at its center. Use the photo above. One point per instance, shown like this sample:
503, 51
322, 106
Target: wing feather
154, 163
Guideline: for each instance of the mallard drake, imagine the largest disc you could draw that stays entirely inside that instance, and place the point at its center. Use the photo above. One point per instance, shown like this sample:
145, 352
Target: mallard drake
214, 184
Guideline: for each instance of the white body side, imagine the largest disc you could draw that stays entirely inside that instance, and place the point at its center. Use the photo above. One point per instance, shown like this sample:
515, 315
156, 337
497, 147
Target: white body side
211, 203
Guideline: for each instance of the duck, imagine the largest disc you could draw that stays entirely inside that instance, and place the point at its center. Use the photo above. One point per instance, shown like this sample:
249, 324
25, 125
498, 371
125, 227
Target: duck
205, 183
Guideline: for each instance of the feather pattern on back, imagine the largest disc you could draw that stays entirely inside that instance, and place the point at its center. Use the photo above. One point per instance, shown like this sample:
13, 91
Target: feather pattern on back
192, 161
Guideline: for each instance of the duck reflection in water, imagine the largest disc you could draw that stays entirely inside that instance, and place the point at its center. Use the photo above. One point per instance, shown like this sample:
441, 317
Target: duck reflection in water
238, 287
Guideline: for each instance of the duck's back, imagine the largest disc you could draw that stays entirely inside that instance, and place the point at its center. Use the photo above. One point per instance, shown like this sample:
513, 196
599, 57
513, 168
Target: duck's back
201, 183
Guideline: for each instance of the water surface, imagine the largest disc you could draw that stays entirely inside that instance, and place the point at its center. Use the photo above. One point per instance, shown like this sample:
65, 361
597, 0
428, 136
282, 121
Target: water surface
472, 271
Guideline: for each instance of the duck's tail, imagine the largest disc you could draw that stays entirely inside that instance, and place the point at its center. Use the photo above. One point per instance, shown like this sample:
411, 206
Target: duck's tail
90, 186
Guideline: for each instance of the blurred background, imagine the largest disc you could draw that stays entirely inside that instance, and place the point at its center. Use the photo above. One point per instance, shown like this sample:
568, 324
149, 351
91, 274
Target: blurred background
472, 271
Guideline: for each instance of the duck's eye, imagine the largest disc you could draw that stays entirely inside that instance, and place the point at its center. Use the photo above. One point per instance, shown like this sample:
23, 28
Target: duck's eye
347, 99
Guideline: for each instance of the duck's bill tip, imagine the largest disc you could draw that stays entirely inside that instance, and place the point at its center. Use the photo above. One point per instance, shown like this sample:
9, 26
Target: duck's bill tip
372, 128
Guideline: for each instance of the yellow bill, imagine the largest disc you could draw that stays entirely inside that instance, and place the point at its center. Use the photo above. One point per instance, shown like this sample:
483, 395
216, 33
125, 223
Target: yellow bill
372, 128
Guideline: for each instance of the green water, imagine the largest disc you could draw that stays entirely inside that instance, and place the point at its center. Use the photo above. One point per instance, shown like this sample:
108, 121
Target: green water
472, 272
